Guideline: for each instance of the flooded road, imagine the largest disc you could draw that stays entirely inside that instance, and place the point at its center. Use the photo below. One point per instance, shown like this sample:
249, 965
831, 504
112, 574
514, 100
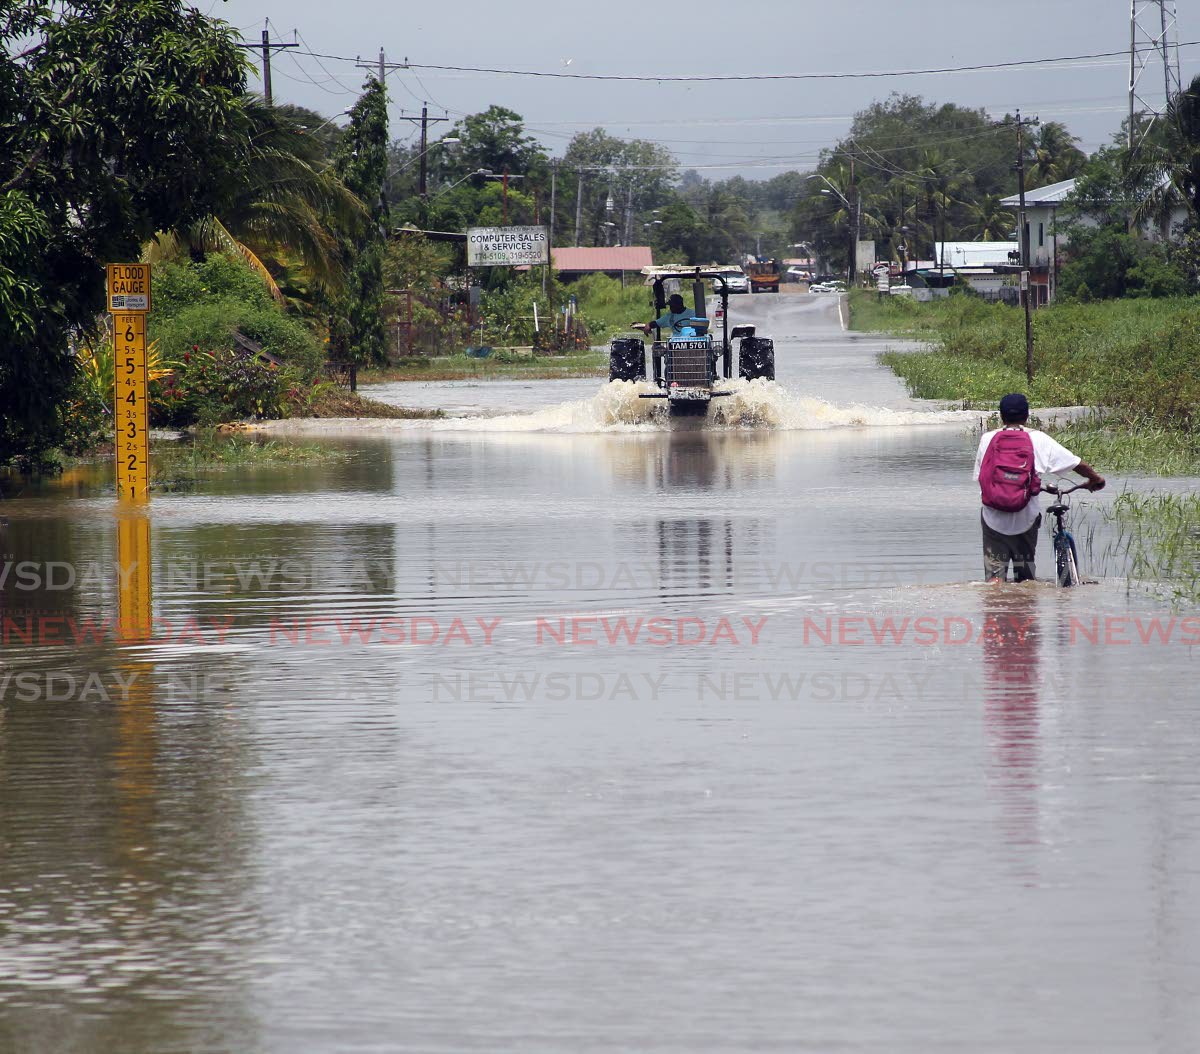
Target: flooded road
572, 731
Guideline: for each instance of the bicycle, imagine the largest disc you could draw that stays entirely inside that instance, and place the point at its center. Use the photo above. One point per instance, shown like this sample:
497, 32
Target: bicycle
1066, 559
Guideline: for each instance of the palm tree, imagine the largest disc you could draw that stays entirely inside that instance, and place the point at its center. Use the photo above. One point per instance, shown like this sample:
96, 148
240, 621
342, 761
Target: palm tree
943, 181
990, 221
1054, 155
287, 197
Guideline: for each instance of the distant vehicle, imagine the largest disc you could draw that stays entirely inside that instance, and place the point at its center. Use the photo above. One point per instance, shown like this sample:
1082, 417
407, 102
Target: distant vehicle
690, 366
764, 276
827, 287
735, 280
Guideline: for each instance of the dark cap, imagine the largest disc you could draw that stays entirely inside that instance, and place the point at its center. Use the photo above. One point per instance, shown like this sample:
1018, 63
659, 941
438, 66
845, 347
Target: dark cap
1014, 407
674, 299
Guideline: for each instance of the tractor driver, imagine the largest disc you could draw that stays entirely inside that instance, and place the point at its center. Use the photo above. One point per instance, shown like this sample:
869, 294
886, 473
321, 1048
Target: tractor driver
677, 316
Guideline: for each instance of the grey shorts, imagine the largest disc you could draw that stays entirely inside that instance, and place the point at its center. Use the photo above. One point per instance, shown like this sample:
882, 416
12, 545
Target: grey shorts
1001, 549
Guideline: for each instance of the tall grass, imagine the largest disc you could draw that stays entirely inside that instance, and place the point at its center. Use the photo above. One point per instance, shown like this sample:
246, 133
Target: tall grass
1159, 536
1135, 359
607, 308
1137, 355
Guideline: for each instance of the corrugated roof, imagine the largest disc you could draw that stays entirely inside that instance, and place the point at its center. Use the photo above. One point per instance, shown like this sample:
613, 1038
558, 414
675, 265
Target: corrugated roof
602, 258
1051, 195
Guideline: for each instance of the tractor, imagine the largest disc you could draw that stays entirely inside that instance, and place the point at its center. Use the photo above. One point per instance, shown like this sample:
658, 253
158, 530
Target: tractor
689, 365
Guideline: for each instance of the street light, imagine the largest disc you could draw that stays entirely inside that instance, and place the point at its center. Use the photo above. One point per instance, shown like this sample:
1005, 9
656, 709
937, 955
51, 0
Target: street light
478, 172
851, 262
450, 140
314, 131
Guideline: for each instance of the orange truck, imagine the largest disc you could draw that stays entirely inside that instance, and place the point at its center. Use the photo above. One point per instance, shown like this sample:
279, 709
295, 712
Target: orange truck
764, 277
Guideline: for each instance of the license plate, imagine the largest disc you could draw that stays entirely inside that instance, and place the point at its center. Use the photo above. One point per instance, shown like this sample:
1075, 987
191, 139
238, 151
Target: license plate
690, 345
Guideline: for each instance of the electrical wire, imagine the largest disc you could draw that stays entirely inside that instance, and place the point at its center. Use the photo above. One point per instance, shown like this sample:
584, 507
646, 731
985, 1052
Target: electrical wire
736, 77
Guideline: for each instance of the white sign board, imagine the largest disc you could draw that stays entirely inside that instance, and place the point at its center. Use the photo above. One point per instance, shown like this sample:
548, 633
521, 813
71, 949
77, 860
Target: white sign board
864, 255
1024, 279
507, 246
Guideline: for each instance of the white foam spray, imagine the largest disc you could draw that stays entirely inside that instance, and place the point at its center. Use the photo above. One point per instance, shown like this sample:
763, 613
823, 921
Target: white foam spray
617, 407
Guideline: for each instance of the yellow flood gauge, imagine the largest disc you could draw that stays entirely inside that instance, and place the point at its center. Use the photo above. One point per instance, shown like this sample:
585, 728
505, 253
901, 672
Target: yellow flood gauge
128, 302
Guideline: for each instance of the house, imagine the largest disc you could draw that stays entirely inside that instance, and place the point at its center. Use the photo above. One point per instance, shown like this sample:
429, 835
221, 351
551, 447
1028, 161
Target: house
1041, 235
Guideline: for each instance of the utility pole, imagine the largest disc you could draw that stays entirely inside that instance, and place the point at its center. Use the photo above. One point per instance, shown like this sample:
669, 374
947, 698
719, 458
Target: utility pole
550, 237
379, 69
266, 47
1022, 222
853, 268
578, 204
629, 214
425, 121
1023, 234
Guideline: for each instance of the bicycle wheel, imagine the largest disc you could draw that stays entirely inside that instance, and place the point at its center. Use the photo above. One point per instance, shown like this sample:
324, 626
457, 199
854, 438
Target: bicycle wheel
1066, 563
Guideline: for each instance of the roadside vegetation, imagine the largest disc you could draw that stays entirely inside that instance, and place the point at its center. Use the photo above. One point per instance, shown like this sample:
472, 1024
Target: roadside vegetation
1159, 536
1132, 361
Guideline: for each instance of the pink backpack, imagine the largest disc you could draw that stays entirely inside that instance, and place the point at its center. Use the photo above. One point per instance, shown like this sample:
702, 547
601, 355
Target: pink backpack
1007, 477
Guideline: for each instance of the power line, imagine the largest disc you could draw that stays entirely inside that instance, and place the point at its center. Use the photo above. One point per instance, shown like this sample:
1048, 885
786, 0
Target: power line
734, 77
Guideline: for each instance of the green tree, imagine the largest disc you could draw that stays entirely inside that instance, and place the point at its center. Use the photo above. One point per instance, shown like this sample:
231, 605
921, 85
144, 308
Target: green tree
356, 329
634, 174
989, 220
286, 200
1164, 171
118, 118
1054, 155
495, 140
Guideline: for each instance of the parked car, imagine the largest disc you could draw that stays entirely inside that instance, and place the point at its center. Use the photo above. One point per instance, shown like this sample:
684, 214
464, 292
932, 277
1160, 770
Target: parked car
827, 287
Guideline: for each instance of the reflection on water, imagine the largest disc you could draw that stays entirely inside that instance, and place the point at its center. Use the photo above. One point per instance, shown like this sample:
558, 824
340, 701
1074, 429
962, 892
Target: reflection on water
306, 812
1014, 677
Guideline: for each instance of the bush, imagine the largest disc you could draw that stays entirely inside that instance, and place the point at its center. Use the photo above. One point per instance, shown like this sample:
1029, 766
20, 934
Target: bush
201, 304
214, 386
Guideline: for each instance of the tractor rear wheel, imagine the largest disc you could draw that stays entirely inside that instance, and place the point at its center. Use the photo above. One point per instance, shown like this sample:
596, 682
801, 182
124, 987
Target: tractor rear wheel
756, 358
627, 360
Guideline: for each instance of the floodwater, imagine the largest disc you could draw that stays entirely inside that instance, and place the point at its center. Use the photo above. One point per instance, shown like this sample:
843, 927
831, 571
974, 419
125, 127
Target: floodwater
571, 731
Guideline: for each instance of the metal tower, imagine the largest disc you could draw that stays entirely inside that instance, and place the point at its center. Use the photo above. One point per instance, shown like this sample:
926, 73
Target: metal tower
1153, 62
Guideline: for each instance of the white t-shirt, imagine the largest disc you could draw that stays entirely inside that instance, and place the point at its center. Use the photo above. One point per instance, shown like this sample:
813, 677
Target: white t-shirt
1049, 457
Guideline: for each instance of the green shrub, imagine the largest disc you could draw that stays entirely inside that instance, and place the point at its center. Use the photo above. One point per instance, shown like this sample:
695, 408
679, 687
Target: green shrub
201, 304
219, 385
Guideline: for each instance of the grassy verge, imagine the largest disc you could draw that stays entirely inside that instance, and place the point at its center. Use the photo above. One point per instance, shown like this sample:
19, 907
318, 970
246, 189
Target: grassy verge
460, 367
1160, 536
1135, 358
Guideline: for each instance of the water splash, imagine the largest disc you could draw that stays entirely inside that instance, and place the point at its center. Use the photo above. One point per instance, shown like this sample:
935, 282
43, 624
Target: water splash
758, 404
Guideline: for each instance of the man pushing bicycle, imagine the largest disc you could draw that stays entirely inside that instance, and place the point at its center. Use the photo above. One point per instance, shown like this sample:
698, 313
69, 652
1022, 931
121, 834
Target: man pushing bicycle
1008, 466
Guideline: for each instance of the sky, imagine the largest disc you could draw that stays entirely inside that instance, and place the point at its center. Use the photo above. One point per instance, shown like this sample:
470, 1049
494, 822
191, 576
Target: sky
756, 129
